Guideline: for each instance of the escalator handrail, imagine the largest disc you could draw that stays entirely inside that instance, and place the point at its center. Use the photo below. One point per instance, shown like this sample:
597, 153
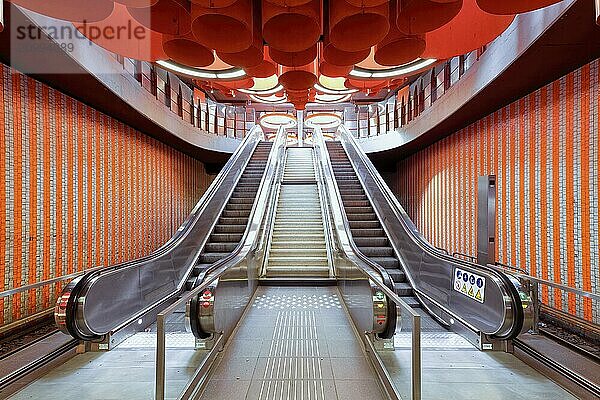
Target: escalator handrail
399, 212
260, 210
67, 303
341, 226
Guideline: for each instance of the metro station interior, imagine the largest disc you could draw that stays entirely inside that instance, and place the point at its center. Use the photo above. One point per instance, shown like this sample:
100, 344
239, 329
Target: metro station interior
299, 199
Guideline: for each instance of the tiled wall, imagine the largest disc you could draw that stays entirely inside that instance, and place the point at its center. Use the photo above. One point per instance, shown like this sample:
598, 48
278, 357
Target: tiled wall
79, 189
544, 150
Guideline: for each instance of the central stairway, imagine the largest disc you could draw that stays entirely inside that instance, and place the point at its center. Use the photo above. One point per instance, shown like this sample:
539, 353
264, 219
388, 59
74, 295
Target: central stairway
298, 247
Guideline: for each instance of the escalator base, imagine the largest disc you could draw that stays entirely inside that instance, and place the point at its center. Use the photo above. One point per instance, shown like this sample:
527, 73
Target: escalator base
300, 281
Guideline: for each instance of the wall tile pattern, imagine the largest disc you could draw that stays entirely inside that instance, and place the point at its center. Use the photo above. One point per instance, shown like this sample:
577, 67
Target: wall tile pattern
544, 150
79, 189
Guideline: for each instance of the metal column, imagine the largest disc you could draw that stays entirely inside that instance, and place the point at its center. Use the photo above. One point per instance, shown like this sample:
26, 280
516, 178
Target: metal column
486, 219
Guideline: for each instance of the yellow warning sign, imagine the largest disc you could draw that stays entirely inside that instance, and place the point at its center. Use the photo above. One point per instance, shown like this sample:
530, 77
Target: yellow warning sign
478, 295
464, 289
471, 291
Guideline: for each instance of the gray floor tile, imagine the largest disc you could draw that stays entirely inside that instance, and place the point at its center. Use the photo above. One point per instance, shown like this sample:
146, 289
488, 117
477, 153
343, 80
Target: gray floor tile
218, 389
351, 368
358, 390
292, 389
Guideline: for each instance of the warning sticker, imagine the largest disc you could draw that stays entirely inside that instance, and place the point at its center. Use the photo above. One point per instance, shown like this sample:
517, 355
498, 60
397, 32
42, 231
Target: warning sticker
469, 284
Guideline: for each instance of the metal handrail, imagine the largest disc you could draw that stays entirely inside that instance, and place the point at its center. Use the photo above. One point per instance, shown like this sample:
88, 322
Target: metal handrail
47, 282
247, 245
541, 281
371, 270
87, 280
504, 282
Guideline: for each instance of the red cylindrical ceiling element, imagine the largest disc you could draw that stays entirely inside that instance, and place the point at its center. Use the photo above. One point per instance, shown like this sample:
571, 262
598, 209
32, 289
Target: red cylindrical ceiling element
367, 3
420, 16
136, 41
291, 29
187, 51
137, 3
509, 7
70, 10
263, 70
226, 29
471, 29
170, 17
298, 78
335, 56
334, 71
398, 48
294, 59
353, 28
253, 55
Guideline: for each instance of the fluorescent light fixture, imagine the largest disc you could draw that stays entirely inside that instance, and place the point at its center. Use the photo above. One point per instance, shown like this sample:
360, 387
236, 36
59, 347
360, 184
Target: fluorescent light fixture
332, 98
186, 70
269, 99
276, 120
360, 74
325, 90
323, 120
201, 73
397, 71
238, 73
262, 92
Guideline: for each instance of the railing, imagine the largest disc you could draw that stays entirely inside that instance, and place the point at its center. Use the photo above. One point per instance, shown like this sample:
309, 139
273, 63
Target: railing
532, 284
401, 109
205, 114
43, 287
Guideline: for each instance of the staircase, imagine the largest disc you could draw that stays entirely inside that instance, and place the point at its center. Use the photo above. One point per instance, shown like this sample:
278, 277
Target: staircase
367, 232
230, 228
298, 248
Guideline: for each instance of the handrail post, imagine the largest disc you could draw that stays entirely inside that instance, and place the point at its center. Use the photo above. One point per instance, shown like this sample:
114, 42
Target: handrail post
416, 358
160, 358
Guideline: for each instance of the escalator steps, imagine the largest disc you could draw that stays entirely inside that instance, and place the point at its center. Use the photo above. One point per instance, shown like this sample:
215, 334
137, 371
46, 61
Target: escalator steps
230, 227
367, 232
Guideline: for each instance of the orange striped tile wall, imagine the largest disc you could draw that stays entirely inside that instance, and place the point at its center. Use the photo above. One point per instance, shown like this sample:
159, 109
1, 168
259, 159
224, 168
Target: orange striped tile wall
79, 189
544, 150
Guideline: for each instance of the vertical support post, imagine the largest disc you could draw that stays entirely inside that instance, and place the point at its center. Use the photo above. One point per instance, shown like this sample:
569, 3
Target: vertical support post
486, 219
416, 358
396, 112
378, 122
447, 76
403, 112
598, 12
159, 388
433, 85
300, 119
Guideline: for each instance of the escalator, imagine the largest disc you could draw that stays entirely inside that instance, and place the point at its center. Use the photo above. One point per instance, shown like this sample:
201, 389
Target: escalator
423, 276
367, 232
232, 223
298, 248
128, 296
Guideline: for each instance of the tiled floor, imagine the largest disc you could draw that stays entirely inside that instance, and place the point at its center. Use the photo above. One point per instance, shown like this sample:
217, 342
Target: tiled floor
126, 372
294, 343
455, 370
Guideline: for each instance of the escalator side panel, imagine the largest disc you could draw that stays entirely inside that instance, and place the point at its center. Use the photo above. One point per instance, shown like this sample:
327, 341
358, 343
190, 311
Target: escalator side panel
431, 273
113, 297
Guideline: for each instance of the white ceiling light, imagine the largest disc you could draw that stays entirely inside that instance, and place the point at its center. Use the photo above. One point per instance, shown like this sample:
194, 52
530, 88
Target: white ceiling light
200, 73
397, 71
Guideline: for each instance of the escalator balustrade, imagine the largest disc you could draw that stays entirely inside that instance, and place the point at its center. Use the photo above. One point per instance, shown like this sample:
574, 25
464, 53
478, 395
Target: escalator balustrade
367, 232
232, 223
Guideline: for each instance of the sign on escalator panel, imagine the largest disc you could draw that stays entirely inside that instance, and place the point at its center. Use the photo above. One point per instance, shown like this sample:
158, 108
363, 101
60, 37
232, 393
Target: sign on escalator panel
469, 284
